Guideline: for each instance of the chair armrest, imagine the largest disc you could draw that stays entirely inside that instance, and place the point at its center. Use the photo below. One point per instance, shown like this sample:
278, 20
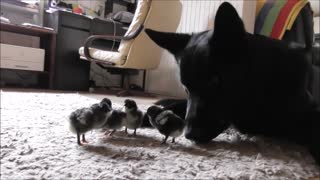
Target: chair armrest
92, 38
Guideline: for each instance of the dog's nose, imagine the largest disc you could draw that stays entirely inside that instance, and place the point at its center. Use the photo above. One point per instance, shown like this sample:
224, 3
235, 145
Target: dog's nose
198, 135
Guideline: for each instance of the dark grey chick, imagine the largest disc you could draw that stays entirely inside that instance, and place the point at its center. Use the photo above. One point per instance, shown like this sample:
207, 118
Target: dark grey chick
115, 121
108, 101
167, 123
134, 115
102, 112
86, 119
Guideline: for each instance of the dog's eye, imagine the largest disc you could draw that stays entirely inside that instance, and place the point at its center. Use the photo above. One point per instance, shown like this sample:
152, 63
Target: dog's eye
214, 81
186, 90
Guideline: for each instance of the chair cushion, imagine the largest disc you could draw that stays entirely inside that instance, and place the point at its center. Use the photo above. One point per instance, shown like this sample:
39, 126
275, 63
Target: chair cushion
138, 19
103, 55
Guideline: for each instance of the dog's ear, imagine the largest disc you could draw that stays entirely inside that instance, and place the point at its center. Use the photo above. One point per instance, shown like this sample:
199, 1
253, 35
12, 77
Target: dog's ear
228, 25
173, 42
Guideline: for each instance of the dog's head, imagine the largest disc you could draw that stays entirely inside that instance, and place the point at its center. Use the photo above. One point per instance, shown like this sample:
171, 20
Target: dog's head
210, 70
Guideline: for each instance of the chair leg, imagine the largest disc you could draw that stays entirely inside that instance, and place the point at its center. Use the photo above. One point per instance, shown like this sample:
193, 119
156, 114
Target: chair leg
144, 80
124, 93
128, 92
124, 85
122, 80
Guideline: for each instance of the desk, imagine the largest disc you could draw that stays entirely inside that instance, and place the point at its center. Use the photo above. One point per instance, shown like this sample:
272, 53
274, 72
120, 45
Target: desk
47, 42
71, 73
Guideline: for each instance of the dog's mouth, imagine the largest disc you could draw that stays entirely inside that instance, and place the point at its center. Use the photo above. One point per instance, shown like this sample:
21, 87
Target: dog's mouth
202, 141
200, 136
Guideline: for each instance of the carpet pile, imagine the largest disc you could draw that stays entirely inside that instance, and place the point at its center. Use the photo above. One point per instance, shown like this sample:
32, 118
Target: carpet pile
37, 144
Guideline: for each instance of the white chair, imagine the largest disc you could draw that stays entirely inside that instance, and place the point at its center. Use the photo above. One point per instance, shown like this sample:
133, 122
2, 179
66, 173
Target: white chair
136, 50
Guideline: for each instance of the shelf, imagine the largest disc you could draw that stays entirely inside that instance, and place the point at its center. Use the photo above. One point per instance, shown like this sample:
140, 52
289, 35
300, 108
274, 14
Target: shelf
26, 30
13, 7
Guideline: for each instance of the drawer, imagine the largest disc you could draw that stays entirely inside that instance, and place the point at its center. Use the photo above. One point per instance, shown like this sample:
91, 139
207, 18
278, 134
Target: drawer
75, 21
20, 53
18, 57
22, 65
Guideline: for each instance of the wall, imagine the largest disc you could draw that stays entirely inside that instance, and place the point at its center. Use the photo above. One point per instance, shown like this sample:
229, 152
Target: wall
89, 5
196, 16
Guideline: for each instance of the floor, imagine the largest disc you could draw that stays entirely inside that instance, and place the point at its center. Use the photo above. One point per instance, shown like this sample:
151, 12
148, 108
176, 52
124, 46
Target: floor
36, 143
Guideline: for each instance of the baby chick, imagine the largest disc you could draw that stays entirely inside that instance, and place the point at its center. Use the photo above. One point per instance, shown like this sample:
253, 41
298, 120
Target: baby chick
108, 101
86, 119
115, 121
102, 112
177, 106
167, 123
134, 115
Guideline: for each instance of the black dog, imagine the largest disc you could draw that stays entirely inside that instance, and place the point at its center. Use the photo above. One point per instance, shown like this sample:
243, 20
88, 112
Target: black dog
255, 83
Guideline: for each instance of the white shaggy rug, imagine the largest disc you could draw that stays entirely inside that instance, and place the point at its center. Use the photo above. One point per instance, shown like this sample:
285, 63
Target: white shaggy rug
36, 144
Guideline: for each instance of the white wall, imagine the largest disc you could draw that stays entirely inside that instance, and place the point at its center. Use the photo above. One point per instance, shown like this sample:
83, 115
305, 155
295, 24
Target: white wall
93, 5
196, 16
249, 14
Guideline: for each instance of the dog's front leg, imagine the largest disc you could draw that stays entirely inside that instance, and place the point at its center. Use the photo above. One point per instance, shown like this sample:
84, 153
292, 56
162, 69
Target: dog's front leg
315, 142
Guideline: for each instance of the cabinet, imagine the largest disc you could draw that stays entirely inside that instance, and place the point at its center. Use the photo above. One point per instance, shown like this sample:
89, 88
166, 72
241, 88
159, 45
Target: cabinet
72, 31
47, 42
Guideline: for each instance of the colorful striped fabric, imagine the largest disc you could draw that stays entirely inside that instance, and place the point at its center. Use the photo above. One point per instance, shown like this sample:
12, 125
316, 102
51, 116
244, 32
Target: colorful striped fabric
274, 17
265, 8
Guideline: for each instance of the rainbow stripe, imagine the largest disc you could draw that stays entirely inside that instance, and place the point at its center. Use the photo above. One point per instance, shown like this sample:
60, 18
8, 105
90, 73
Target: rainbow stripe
275, 17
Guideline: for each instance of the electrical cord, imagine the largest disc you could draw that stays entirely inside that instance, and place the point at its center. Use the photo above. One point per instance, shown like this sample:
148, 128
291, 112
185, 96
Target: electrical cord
102, 75
114, 34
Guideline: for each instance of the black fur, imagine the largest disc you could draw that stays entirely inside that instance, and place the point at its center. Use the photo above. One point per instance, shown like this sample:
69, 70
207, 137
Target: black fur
177, 106
255, 83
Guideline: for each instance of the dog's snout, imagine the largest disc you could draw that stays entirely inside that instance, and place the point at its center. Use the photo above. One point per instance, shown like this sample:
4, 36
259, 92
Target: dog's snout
198, 135
191, 134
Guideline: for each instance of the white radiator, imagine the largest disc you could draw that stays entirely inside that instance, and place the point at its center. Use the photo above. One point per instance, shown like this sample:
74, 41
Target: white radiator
198, 16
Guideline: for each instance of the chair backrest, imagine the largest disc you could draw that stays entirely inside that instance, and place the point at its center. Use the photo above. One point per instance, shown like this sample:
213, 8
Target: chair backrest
162, 16
139, 19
